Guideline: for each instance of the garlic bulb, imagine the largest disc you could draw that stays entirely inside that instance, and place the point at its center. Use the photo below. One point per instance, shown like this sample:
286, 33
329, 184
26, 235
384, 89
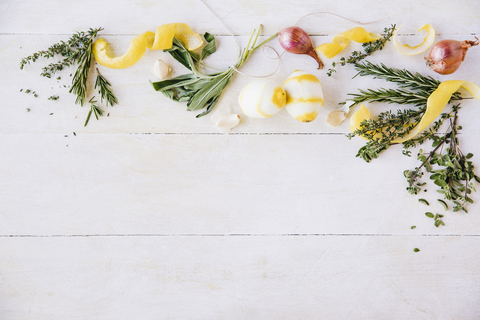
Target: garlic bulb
161, 69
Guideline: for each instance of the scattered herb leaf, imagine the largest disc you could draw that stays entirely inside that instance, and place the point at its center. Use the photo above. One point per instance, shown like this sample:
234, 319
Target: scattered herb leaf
425, 202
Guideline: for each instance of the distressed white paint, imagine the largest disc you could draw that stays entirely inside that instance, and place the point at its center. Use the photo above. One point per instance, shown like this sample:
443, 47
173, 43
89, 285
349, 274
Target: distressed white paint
150, 213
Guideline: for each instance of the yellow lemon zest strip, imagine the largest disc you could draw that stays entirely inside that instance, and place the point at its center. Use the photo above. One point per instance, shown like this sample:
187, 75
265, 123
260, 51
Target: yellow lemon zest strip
422, 47
162, 39
357, 34
358, 117
437, 101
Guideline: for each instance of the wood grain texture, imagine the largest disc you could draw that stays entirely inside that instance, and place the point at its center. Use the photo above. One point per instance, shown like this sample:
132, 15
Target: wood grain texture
240, 277
150, 213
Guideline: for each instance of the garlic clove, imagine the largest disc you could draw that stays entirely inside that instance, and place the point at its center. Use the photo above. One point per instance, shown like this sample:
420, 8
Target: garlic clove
161, 69
228, 121
335, 118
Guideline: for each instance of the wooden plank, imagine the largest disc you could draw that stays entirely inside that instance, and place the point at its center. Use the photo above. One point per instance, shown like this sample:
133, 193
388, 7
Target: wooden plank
207, 184
241, 16
240, 277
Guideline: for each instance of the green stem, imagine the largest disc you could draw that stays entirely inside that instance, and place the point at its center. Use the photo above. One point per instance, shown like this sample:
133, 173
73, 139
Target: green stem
268, 39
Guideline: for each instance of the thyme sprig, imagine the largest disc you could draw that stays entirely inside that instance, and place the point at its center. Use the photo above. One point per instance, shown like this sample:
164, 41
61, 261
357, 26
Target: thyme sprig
368, 49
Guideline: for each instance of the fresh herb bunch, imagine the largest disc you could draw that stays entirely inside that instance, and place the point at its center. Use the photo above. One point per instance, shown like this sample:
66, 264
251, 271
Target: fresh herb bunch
77, 50
368, 49
454, 171
199, 90
450, 169
390, 126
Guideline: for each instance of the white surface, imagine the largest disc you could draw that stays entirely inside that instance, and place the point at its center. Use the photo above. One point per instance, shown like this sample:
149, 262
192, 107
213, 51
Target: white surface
152, 214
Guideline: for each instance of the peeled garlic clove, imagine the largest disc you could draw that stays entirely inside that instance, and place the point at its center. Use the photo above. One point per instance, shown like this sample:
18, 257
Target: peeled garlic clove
161, 69
335, 118
228, 121
262, 98
304, 96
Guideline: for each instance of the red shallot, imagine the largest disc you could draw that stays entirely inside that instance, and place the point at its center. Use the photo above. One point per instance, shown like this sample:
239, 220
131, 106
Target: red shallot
296, 40
447, 55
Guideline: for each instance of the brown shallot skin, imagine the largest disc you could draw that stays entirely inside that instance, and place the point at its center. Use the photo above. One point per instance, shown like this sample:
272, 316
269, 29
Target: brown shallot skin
296, 40
447, 55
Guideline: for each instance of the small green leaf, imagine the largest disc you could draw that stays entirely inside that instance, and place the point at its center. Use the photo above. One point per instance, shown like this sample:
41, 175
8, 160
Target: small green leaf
425, 202
413, 227
429, 214
210, 47
440, 183
416, 250
443, 203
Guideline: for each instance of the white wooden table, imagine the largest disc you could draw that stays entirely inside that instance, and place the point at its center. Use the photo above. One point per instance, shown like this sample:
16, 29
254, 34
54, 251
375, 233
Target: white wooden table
150, 213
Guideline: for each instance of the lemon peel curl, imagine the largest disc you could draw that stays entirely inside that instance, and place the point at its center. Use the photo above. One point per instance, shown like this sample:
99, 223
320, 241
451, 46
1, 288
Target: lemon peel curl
357, 34
161, 39
422, 47
436, 102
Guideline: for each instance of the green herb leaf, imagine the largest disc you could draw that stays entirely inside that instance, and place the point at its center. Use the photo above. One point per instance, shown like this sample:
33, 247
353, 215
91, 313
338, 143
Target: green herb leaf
210, 48
425, 202
443, 203
429, 214
416, 250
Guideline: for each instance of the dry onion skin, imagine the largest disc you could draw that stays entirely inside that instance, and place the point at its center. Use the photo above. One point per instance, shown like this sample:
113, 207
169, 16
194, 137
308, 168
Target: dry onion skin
447, 55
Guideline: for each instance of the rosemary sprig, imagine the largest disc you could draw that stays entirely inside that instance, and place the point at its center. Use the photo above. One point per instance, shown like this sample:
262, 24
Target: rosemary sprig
105, 90
400, 96
79, 81
95, 109
368, 49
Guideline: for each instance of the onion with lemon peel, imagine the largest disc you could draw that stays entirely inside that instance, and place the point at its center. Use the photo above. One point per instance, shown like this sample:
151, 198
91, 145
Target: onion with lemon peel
422, 47
304, 96
160, 40
262, 98
357, 34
